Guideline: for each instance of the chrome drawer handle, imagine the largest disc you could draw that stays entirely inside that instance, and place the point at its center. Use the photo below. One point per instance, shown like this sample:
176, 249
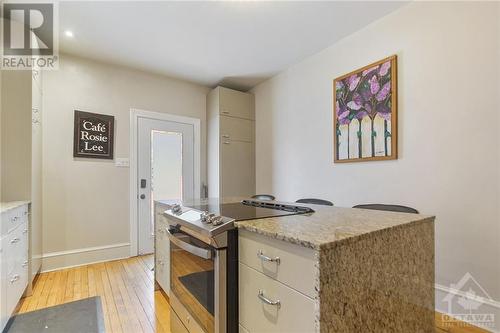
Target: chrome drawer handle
14, 240
225, 112
267, 300
226, 142
25, 263
14, 278
225, 136
262, 256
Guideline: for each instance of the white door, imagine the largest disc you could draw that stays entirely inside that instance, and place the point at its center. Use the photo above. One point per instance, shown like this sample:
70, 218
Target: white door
165, 171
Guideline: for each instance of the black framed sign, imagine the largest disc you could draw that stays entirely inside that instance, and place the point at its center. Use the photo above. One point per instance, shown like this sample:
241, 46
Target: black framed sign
93, 135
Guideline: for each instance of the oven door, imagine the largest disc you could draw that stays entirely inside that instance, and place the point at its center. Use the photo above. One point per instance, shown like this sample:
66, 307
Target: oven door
192, 277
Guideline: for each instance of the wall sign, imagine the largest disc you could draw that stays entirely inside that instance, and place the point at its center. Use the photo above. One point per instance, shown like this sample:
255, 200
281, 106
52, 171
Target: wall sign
93, 135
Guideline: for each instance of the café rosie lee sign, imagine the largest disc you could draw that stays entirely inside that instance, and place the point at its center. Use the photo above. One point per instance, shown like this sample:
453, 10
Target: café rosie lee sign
93, 137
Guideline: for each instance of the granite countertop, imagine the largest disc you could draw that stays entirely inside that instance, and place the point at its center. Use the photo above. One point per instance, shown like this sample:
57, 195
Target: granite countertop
328, 226
5, 206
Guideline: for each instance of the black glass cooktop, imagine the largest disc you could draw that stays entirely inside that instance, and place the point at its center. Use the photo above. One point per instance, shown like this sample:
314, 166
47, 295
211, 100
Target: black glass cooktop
250, 209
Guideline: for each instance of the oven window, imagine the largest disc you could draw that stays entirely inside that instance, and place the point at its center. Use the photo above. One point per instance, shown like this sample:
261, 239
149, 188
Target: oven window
192, 278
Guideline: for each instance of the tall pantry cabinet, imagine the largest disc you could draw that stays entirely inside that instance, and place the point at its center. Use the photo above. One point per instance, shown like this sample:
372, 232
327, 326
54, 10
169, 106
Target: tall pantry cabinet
230, 143
21, 153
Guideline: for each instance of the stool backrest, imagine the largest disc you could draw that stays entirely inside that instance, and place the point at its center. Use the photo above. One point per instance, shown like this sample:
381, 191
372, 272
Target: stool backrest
263, 197
390, 208
315, 201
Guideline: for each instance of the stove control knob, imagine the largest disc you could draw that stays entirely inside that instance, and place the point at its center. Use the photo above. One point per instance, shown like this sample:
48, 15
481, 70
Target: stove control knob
217, 220
210, 217
204, 217
176, 209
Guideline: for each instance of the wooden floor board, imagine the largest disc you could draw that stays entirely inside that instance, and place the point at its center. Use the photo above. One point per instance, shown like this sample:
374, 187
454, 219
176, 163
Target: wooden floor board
129, 302
125, 287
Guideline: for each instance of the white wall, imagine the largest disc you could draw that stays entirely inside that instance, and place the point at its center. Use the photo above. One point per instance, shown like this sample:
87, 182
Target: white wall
448, 60
15, 136
86, 201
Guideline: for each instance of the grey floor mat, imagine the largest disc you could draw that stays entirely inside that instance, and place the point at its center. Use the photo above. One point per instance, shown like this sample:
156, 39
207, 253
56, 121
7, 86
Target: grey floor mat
83, 316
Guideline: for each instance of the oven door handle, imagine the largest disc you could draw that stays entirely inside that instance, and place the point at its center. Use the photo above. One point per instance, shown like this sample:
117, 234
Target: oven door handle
197, 251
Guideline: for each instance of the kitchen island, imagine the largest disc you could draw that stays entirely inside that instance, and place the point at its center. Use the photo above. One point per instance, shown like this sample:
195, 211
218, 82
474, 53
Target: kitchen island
337, 270
293, 269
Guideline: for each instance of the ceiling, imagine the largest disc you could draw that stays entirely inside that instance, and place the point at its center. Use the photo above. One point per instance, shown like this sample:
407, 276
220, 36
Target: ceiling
236, 44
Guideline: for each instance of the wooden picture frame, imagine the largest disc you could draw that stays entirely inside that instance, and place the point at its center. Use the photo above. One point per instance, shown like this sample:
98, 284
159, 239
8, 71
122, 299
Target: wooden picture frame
93, 135
365, 113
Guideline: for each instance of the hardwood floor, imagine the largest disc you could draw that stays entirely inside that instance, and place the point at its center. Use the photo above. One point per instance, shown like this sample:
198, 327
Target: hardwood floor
126, 290
128, 300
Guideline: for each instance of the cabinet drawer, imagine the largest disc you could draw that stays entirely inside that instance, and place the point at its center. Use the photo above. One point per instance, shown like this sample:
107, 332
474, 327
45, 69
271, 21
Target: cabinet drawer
235, 103
295, 312
17, 281
296, 266
13, 218
236, 129
16, 248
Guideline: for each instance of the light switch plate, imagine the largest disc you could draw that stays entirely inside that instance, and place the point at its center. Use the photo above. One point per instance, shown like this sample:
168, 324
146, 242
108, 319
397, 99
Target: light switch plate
122, 162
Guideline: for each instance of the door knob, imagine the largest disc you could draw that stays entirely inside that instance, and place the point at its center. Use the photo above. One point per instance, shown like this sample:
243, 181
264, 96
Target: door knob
143, 196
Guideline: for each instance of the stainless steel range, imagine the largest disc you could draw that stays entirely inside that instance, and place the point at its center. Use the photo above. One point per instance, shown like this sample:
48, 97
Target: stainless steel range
204, 261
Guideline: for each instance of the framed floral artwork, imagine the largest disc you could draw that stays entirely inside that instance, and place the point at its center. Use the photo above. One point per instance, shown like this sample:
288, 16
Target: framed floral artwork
365, 113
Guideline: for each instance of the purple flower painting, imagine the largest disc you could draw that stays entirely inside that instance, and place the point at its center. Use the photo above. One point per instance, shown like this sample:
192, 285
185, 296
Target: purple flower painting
365, 121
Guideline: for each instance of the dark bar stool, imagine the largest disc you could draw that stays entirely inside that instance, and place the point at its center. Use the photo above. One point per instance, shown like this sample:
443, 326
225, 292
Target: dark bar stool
390, 208
315, 201
263, 197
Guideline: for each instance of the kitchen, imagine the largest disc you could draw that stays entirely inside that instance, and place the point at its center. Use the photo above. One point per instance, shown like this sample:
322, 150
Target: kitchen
320, 185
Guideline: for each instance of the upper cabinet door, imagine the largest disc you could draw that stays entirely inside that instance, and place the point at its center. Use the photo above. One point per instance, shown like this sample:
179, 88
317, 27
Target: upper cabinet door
236, 104
236, 129
238, 169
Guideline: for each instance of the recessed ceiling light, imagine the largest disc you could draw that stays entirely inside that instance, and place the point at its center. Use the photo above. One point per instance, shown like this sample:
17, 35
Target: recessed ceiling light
68, 33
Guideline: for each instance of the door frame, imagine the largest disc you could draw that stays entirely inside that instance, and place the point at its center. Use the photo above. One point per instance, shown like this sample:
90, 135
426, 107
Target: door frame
135, 114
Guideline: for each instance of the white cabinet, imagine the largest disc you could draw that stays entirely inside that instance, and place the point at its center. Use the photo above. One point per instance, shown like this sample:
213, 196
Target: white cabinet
276, 285
236, 129
14, 259
267, 305
162, 249
36, 177
295, 265
236, 103
21, 151
231, 143
3, 282
238, 169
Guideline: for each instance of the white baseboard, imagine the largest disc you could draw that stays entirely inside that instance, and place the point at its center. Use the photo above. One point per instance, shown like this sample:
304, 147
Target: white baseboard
488, 306
65, 259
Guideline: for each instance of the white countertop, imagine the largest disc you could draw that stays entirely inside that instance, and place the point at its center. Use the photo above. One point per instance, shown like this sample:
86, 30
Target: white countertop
6, 206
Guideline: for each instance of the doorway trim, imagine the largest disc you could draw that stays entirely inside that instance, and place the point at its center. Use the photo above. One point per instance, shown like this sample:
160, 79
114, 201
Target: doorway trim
135, 114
